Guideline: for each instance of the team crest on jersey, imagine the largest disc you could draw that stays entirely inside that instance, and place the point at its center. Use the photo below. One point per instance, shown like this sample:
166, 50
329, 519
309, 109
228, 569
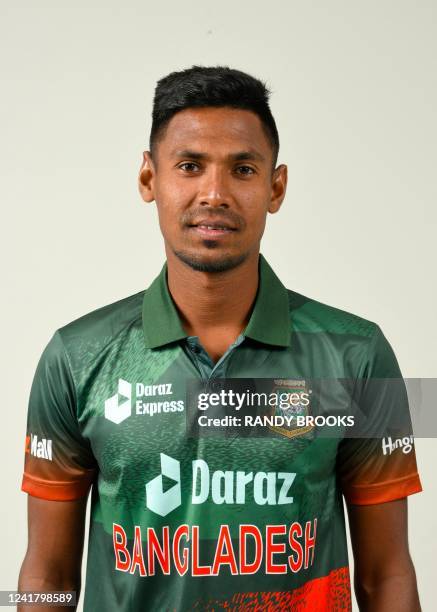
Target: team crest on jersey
293, 400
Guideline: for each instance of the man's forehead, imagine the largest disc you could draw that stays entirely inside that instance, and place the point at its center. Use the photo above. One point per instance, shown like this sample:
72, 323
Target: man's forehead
240, 128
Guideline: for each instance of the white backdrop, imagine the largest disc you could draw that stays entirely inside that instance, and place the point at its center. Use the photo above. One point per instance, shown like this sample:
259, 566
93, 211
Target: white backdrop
354, 96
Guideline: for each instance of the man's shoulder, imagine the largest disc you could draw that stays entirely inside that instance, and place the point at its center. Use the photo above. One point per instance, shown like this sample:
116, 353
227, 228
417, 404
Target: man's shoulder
312, 316
101, 326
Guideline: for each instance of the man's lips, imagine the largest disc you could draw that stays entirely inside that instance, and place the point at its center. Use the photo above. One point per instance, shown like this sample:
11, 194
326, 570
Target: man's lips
212, 228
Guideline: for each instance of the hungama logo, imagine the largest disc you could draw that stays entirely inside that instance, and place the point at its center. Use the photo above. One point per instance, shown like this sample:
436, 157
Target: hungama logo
119, 406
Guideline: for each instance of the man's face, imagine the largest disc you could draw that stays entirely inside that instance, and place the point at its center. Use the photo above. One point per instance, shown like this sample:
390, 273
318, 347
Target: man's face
212, 181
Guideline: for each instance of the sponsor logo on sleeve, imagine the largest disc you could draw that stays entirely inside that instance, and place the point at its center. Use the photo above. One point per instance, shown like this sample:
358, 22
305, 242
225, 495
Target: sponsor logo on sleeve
39, 447
389, 445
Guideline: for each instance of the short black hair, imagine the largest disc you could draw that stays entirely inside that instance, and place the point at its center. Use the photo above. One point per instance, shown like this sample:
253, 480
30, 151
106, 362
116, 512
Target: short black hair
219, 86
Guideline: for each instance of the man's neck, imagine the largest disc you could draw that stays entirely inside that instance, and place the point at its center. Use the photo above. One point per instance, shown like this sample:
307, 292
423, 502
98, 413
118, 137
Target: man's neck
213, 303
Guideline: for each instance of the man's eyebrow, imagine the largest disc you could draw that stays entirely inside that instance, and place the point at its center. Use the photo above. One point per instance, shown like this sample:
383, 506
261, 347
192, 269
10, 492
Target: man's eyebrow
250, 155
240, 156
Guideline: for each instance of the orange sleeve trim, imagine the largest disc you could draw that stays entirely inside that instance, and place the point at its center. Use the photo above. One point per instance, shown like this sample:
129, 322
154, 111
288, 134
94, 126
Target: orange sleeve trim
55, 490
383, 491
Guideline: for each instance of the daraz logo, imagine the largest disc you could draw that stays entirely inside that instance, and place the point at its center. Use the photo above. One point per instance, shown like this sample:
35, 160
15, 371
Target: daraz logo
119, 406
159, 501
219, 487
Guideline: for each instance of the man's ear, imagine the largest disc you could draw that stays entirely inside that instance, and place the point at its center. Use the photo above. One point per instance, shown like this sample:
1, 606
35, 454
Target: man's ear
146, 178
279, 187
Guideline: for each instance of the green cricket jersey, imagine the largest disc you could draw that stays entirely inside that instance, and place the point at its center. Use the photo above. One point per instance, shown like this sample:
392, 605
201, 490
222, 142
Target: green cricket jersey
203, 519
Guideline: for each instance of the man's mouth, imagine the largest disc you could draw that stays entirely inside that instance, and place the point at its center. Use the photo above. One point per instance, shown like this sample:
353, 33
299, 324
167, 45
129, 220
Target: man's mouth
212, 229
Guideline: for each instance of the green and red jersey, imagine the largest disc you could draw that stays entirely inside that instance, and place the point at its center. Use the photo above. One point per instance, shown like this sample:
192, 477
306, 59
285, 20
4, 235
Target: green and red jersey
183, 522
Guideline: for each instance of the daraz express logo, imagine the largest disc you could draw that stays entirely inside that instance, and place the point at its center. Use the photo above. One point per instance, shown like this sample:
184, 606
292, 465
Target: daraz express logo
131, 396
119, 406
219, 487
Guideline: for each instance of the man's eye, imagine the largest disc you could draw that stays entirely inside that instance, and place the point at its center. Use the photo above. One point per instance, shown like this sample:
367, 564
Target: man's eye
188, 166
247, 170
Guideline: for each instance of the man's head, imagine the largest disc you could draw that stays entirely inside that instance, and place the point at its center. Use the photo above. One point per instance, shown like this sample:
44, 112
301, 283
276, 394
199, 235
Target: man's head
213, 152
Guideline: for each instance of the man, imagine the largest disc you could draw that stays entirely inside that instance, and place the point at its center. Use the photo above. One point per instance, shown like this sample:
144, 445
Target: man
181, 519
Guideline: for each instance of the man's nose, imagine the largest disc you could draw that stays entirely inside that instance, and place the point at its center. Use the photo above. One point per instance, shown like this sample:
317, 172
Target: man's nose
214, 190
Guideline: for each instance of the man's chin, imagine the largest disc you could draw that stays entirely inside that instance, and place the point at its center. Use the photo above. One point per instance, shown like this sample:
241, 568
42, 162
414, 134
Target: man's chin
212, 263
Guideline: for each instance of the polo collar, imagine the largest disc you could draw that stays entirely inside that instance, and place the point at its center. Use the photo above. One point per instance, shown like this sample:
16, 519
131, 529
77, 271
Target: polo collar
269, 322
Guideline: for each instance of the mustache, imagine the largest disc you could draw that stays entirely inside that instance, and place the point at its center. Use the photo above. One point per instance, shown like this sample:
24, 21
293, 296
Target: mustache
190, 217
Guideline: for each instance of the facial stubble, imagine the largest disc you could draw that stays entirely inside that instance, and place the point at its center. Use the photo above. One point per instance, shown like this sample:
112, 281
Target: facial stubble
221, 264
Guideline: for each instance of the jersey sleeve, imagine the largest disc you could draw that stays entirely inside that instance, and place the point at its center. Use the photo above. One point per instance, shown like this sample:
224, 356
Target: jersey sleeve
380, 464
58, 460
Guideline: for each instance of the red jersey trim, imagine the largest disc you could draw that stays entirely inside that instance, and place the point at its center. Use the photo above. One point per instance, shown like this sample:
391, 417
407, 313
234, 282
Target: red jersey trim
55, 490
383, 491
